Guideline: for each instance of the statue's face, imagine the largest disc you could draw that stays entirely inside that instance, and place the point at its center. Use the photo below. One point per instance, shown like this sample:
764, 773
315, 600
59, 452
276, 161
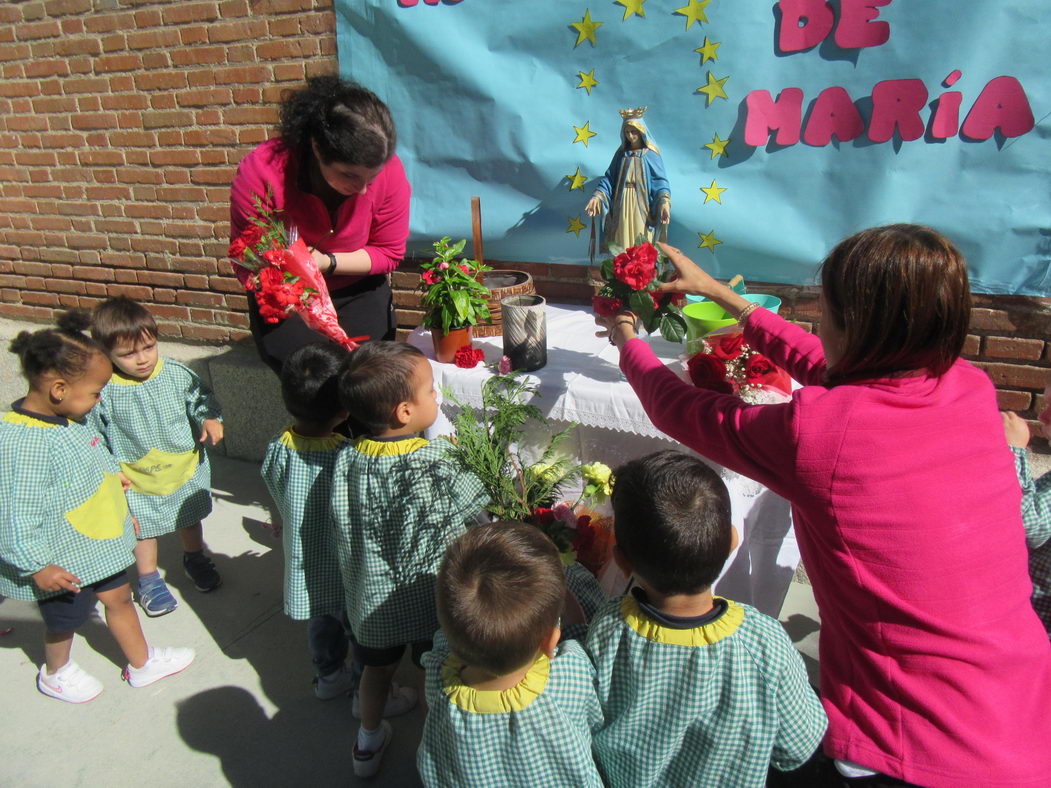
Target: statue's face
633, 137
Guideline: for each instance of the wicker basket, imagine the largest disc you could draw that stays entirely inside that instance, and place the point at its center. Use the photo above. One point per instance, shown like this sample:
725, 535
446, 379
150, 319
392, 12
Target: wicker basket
501, 284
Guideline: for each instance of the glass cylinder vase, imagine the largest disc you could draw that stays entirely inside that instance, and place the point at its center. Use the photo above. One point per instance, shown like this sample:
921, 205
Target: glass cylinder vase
525, 331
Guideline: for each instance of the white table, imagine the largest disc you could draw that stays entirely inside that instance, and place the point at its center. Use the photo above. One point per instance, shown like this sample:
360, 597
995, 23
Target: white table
582, 383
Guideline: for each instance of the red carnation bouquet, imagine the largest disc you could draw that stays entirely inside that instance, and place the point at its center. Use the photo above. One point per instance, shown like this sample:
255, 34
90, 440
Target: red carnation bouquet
629, 281
727, 364
283, 276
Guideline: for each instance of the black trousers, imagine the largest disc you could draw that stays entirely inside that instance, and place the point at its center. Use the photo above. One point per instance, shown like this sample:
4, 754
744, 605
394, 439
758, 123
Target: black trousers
364, 308
820, 772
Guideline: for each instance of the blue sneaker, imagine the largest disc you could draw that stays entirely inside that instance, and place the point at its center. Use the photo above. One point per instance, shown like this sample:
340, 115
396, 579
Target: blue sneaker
154, 597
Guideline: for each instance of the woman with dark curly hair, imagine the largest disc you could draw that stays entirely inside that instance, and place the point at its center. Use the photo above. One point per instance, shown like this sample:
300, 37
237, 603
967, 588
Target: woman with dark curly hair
333, 173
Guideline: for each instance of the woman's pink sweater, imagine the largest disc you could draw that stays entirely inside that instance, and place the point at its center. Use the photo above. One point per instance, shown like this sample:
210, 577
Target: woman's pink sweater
934, 667
376, 221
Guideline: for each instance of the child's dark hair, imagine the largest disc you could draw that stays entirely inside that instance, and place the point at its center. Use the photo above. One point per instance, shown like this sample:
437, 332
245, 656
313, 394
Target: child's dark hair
65, 350
310, 382
376, 380
121, 320
671, 518
499, 593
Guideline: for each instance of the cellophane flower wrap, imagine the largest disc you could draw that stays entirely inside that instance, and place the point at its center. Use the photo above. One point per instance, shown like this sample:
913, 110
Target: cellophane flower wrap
728, 365
283, 277
630, 280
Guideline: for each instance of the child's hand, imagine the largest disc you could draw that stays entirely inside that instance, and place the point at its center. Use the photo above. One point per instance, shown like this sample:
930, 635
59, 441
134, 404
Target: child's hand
55, 578
125, 482
1015, 429
135, 525
211, 429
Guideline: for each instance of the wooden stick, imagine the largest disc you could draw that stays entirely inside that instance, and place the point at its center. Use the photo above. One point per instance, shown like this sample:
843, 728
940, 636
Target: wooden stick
476, 228
734, 281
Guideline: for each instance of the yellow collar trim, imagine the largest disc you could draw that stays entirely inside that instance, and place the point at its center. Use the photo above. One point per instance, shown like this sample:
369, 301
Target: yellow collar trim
705, 635
293, 440
371, 448
13, 417
120, 380
475, 701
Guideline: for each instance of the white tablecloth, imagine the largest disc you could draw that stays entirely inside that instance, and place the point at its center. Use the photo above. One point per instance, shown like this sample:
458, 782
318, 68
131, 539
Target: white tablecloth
582, 383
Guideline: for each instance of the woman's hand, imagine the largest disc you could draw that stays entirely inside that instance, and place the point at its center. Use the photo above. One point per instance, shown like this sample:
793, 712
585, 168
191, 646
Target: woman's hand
1015, 429
619, 328
692, 280
594, 206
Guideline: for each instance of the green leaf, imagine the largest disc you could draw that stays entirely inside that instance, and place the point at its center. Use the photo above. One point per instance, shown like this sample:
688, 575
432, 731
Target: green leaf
616, 249
460, 300
607, 269
673, 327
641, 304
456, 248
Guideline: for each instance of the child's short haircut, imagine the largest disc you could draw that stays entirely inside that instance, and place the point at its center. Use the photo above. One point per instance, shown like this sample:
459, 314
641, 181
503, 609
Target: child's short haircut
65, 350
499, 593
376, 380
121, 320
671, 518
310, 382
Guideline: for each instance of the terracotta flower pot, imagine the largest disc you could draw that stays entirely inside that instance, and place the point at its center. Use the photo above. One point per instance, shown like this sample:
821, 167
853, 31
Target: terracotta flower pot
446, 345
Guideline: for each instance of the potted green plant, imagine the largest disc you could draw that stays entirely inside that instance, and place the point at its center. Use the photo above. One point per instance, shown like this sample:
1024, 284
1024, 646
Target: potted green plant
453, 296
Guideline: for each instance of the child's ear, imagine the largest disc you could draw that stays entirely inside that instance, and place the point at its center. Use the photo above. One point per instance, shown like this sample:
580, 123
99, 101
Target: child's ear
622, 562
58, 389
549, 642
403, 413
735, 538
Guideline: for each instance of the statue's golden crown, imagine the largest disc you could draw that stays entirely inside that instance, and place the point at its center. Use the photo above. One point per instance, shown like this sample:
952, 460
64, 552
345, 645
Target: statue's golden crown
633, 112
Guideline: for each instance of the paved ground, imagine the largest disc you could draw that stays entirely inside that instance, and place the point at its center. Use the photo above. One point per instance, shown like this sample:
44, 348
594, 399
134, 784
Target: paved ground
243, 714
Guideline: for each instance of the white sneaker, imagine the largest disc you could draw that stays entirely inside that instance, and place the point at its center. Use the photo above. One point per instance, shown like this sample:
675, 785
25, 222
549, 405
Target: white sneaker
160, 662
337, 683
367, 762
69, 683
400, 700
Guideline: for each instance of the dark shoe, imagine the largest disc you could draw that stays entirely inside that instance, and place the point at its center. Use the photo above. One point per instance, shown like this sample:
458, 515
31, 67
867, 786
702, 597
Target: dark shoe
200, 569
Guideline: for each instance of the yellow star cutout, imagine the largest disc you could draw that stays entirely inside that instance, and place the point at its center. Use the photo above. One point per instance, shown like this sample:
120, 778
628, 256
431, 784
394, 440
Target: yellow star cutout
587, 80
708, 241
586, 29
694, 12
584, 133
707, 52
713, 192
714, 88
632, 7
718, 146
577, 180
575, 225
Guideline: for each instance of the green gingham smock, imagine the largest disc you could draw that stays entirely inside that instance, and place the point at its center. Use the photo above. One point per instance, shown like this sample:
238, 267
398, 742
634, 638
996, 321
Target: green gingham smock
583, 585
61, 503
535, 735
1036, 516
716, 705
152, 427
298, 473
397, 505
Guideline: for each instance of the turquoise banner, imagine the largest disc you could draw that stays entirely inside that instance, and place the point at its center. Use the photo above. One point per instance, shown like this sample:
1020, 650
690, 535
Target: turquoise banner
782, 127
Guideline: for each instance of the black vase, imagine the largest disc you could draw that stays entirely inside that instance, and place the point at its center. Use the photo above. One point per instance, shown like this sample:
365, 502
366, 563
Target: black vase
525, 331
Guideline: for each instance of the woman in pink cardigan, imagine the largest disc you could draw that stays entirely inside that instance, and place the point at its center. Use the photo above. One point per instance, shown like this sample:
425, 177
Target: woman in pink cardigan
935, 670
333, 172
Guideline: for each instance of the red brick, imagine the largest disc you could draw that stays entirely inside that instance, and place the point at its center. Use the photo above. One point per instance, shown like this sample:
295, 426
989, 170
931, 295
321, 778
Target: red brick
22, 312
160, 80
1013, 347
153, 39
170, 312
244, 30
107, 23
991, 320
174, 156
198, 299
94, 120
1013, 400
39, 299
148, 17
206, 333
31, 269
63, 7
319, 24
241, 75
124, 260
180, 13
65, 286
203, 98
124, 276
267, 7
37, 30
290, 48
234, 8
78, 46
198, 56
154, 245
1016, 375
131, 291
126, 62
162, 278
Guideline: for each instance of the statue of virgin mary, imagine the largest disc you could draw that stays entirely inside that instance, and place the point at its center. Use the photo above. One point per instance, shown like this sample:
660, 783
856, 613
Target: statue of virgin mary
634, 193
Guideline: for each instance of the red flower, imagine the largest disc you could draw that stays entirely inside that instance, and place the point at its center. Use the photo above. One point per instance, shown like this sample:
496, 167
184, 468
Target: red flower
761, 371
605, 306
237, 248
709, 372
430, 277
593, 544
543, 516
727, 346
468, 357
637, 266
251, 236
270, 278
466, 269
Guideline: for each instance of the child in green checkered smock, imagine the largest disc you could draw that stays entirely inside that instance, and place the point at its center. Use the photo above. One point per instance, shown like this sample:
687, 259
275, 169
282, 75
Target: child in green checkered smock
507, 704
297, 470
696, 690
585, 589
1036, 510
155, 414
66, 535
397, 502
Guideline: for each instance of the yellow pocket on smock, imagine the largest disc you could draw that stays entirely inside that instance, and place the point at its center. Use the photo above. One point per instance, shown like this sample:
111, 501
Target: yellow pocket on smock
160, 472
102, 516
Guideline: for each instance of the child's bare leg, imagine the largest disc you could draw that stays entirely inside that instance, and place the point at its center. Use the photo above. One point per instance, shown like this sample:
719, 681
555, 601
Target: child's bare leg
146, 556
123, 622
192, 538
57, 646
372, 694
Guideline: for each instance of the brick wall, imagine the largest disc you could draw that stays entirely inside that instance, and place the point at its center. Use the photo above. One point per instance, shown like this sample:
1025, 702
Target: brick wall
121, 125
